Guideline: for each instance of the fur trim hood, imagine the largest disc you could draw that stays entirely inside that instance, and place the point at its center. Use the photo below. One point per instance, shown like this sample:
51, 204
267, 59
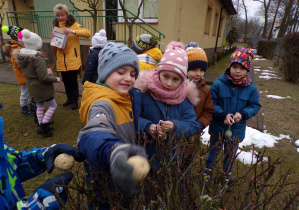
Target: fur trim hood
192, 90
70, 21
25, 56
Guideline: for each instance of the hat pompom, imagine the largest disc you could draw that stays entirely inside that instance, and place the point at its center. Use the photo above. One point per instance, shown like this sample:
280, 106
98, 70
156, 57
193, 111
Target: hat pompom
102, 32
26, 33
154, 40
174, 45
5, 29
20, 35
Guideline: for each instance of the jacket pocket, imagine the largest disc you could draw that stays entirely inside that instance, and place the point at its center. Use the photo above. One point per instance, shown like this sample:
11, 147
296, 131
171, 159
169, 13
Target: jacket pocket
75, 52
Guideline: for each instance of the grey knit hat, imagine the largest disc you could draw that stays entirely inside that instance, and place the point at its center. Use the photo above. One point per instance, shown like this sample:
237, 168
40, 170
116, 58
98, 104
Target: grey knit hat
114, 56
144, 42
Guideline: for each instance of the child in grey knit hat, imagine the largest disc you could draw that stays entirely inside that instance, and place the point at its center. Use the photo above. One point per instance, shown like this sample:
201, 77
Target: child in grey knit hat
109, 108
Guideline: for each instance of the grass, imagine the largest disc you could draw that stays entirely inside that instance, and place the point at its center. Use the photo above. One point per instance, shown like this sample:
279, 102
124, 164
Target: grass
279, 117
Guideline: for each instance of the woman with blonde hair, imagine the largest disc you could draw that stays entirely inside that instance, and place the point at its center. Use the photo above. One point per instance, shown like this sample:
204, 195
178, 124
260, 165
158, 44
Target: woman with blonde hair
69, 59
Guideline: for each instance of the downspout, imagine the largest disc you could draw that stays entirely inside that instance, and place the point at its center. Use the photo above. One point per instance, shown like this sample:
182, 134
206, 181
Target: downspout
219, 27
14, 9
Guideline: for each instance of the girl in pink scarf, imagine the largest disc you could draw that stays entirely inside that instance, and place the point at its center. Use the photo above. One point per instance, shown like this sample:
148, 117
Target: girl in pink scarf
168, 97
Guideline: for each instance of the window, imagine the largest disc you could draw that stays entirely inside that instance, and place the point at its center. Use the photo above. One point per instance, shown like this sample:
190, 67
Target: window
148, 11
215, 23
208, 18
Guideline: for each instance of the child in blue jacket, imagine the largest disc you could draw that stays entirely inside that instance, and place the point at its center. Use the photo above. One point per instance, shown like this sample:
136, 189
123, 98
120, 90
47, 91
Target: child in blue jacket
235, 100
168, 99
110, 110
19, 166
99, 40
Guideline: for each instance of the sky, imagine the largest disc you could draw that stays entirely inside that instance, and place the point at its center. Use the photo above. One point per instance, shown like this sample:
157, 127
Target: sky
253, 136
251, 6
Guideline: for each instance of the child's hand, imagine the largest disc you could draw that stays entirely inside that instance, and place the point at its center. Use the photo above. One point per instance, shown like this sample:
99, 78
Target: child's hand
58, 79
167, 126
52, 35
237, 117
229, 119
154, 129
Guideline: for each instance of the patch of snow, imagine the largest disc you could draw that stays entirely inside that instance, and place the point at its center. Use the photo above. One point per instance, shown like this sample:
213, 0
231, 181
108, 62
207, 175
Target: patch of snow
268, 74
270, 67
268, 77
297, 143
252, 136
277, 97
260, 59
257, 70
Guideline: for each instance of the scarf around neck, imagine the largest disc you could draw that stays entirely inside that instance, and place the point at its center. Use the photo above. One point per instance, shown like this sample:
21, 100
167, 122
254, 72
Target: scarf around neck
245, 81
172, 97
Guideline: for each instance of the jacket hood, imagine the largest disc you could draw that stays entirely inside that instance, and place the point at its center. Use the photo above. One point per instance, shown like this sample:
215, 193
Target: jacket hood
70, 21
94, 92
25, 56
155, 53
192, 90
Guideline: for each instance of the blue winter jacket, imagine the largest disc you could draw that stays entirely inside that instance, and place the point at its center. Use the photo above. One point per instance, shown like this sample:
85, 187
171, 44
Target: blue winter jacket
182, 115
17, 167
91, 72
229, 98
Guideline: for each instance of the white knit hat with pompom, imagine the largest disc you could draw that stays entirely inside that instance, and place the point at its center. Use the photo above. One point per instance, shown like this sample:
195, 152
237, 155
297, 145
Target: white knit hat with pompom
31, 40
99, 39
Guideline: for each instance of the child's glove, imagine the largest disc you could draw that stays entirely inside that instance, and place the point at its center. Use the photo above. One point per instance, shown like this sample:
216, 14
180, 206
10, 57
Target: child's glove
121, 171
44, 196
58, 149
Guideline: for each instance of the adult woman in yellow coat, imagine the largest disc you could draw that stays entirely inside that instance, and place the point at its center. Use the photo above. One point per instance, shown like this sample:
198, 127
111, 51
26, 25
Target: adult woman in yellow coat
147, 52
69, 59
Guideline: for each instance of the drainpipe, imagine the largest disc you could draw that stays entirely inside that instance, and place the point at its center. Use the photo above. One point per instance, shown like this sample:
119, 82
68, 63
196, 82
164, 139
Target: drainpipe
14, 9
219, 27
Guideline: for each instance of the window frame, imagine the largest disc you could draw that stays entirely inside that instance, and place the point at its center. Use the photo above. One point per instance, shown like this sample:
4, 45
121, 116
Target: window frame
147, 20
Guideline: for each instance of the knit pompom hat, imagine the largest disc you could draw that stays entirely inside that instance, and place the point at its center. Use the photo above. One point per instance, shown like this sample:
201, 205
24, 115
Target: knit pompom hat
30, 40
12, 31
191, 45
114, 56
197, 58
99, 39
243, 56
144, 42
174, 59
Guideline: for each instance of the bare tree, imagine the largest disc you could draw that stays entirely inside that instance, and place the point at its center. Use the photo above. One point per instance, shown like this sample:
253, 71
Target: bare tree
266, 6
2, 15
246, 21
130, 20
270, 33
93, 5
289, 17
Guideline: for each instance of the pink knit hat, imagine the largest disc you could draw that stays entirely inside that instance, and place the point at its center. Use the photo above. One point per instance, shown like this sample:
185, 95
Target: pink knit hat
175, 59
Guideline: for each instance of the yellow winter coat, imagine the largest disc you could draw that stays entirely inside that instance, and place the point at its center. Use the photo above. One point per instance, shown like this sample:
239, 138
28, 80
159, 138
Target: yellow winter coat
69, 58
149, 59
18, 72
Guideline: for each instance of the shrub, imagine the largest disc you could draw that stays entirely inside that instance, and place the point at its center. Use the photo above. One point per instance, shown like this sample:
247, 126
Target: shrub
178, 184
289, 57
266, 48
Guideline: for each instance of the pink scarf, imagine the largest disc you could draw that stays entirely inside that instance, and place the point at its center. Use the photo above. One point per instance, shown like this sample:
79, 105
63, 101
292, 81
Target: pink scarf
173, 97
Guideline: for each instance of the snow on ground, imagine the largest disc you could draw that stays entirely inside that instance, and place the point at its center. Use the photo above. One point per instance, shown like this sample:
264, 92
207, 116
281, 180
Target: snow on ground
252, 136
277, 97
260, 59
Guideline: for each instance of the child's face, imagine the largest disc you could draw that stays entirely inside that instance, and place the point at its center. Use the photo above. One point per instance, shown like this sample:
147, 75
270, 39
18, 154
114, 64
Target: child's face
237, 71
61, 16
196, 74
170, 80
122, 79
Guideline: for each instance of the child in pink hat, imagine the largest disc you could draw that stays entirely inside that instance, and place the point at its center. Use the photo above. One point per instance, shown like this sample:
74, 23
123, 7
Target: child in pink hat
167, 99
